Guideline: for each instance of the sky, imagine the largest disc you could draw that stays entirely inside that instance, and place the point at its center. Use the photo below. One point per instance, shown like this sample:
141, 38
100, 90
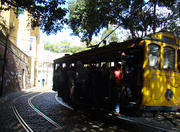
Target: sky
65, 34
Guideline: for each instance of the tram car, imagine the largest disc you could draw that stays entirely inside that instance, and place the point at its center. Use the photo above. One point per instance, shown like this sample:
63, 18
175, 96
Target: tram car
150, 75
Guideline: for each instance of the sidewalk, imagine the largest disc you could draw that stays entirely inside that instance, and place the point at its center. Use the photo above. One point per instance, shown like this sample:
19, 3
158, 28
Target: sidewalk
38, 89
10, 96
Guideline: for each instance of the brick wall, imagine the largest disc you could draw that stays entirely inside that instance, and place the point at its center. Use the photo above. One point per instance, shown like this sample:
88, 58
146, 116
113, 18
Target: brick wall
17, 74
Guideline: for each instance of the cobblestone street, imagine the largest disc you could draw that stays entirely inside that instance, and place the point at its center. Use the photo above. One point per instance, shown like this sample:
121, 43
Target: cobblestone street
45, 101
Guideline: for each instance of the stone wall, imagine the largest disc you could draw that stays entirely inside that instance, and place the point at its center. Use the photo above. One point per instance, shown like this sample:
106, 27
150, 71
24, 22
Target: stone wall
17, 74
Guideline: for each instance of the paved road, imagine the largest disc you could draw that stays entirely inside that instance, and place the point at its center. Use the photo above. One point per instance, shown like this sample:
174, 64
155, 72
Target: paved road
69, 121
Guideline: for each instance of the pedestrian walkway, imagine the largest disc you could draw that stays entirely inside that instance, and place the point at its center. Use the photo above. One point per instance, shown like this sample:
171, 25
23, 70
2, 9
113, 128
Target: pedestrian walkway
39, 89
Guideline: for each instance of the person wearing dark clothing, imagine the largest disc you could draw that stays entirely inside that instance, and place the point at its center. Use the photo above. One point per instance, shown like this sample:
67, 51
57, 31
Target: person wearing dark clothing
43, 82
117, 76
81, 79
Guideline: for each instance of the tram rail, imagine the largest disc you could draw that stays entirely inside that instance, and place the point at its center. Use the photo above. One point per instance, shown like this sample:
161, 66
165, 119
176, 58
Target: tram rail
23, 121
40, 113
142, 125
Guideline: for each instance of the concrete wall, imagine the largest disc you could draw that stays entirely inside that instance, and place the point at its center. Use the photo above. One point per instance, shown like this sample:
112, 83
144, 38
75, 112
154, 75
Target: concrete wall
17, 75
24, 37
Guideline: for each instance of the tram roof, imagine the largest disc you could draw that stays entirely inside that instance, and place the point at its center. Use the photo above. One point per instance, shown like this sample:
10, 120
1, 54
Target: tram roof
107, 53
97, 53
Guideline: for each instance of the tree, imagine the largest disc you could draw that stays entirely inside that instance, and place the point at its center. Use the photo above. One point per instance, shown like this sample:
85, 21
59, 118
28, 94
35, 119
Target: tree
86, 19
140, 17
112, 35
172, 22
64, 47
94, 42
52, 47
45, 13
76, 49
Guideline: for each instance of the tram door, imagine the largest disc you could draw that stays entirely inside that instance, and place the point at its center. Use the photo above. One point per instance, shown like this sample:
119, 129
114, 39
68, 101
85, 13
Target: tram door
132, 75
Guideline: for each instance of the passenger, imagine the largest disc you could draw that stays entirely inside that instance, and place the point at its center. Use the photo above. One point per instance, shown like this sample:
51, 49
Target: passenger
95, 85
105, 81
71, 81
117, 72
63, 83
127, 81
55, 79
81, 78
123, 61
66, 77
59, 80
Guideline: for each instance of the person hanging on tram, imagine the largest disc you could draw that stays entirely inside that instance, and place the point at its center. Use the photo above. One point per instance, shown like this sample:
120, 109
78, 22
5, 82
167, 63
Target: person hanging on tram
117, 73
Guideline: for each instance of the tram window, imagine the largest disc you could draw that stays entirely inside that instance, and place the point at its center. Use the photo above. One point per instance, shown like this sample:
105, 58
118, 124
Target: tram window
178, 60
64, 65
56, 66
112, 64
154, 56
72, 64
168, 58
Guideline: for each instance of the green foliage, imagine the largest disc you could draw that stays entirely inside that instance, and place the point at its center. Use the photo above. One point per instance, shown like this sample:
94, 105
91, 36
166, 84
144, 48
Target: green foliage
45, 13
64, 47
86, 19
76, 49
52, 48
94, 42
112, 37
139, 17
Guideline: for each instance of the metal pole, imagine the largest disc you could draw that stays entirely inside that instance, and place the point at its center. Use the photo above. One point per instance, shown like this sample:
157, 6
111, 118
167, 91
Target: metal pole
4, 65
154, 13
104, 38
109, 34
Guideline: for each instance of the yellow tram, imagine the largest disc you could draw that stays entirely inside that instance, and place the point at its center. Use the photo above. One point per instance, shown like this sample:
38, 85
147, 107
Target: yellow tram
161, 72
151, 72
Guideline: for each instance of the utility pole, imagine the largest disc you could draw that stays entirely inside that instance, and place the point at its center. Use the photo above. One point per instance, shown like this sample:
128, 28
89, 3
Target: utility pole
4, 64
154, 15
6, 31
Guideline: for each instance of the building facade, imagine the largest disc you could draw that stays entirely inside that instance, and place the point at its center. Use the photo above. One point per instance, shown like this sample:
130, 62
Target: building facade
18, 51
45, 66
28, 40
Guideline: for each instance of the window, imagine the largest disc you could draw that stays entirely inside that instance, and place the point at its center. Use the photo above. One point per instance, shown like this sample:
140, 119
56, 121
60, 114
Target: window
169, 40
154, 56
168, 58
178, 60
